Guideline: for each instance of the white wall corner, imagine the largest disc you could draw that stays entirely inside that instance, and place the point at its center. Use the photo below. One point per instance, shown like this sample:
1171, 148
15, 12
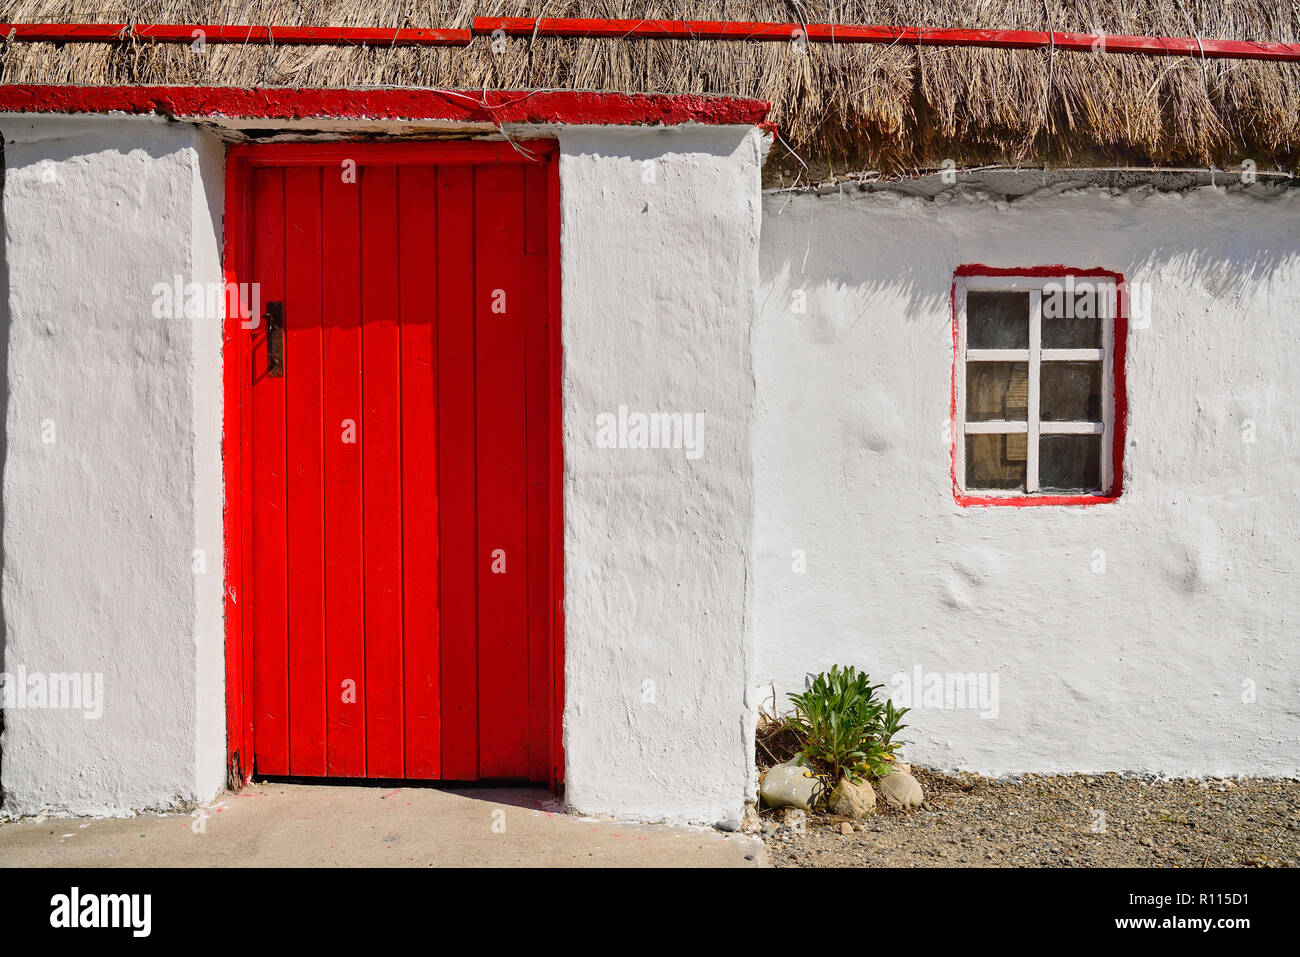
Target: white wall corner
112, 474
208, 199
660, 236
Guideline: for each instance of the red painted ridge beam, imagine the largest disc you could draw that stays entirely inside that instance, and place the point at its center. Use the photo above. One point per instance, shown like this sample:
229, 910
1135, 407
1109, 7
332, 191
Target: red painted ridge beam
467, 106
904, 36
288, 36
661, 30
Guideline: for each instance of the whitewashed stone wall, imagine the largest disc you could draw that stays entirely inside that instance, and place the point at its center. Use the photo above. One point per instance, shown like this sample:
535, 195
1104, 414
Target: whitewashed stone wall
112, 473
1153, 634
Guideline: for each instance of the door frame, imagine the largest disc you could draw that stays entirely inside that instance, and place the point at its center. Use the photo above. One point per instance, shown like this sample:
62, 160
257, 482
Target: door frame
237, 341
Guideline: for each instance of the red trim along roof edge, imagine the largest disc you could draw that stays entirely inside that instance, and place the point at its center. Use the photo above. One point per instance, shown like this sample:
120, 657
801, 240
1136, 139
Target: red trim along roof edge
902, 35
545, 106
658, 30
905, 36
215, 33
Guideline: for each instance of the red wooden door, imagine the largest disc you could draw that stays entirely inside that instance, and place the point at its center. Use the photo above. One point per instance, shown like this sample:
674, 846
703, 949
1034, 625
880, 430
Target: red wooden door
401, 407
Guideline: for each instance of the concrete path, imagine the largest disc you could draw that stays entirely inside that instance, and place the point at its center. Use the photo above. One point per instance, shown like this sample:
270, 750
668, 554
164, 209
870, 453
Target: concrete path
294, 825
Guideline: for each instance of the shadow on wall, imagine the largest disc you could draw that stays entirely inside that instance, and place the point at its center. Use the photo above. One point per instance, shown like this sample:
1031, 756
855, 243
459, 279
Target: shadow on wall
822, 245
652, 144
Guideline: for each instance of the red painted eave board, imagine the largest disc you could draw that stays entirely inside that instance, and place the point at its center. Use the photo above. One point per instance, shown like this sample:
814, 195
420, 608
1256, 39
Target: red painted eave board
566, 107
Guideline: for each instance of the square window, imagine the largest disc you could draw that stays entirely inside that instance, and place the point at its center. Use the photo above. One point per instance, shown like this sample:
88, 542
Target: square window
1036, 386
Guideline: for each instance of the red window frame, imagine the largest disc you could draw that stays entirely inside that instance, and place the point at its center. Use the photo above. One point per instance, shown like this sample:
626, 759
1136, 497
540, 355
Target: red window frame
1118, 345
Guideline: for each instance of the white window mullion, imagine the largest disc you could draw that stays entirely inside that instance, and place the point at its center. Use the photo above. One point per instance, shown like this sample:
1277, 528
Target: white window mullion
959, 416
1035, 360
1108, 314
1070, 428
1003, 355
1073, 355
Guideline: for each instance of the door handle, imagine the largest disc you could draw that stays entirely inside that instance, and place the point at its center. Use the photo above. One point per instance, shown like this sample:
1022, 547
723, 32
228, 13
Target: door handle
274, 319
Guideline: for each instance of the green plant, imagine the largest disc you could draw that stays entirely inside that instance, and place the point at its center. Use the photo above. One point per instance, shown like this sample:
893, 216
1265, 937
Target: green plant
889, 726
844, 728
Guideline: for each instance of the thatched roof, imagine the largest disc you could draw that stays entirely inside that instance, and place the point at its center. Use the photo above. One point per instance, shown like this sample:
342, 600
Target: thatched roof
846, 105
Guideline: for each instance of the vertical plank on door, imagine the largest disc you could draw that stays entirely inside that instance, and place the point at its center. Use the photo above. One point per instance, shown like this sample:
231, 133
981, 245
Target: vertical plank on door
501, 297
419, 334
555, 402
456, 472
238, 371
345, 671
381, 470
270, 692
304, 467
537, 402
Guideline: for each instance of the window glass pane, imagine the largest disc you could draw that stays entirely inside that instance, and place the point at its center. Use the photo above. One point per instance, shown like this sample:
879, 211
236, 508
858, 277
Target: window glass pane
997, 391
1072, 316
995, 462
1070, 392
997, 320
1069, 463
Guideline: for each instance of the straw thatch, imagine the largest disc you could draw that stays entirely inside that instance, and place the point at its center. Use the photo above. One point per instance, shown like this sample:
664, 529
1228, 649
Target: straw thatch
846, 105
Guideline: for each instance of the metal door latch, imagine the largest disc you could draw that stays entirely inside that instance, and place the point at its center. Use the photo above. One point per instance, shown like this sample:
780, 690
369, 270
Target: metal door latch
274, 319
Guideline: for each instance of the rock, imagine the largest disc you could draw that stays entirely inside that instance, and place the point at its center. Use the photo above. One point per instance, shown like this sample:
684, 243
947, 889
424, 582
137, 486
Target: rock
901, 790
853, 800
790, 785
749, 822
794, 818
846, 828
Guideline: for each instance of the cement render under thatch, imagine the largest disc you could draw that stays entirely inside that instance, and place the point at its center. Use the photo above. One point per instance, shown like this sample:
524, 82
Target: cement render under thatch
839, 108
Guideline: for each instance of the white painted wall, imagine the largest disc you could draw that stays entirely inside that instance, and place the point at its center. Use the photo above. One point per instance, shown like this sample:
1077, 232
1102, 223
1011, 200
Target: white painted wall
660, 237
102, 524
822, 431
660, 267
1141, 667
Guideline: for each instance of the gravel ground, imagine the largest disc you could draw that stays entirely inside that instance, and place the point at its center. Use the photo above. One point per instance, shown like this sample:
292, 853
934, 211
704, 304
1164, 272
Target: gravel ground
1103, 820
